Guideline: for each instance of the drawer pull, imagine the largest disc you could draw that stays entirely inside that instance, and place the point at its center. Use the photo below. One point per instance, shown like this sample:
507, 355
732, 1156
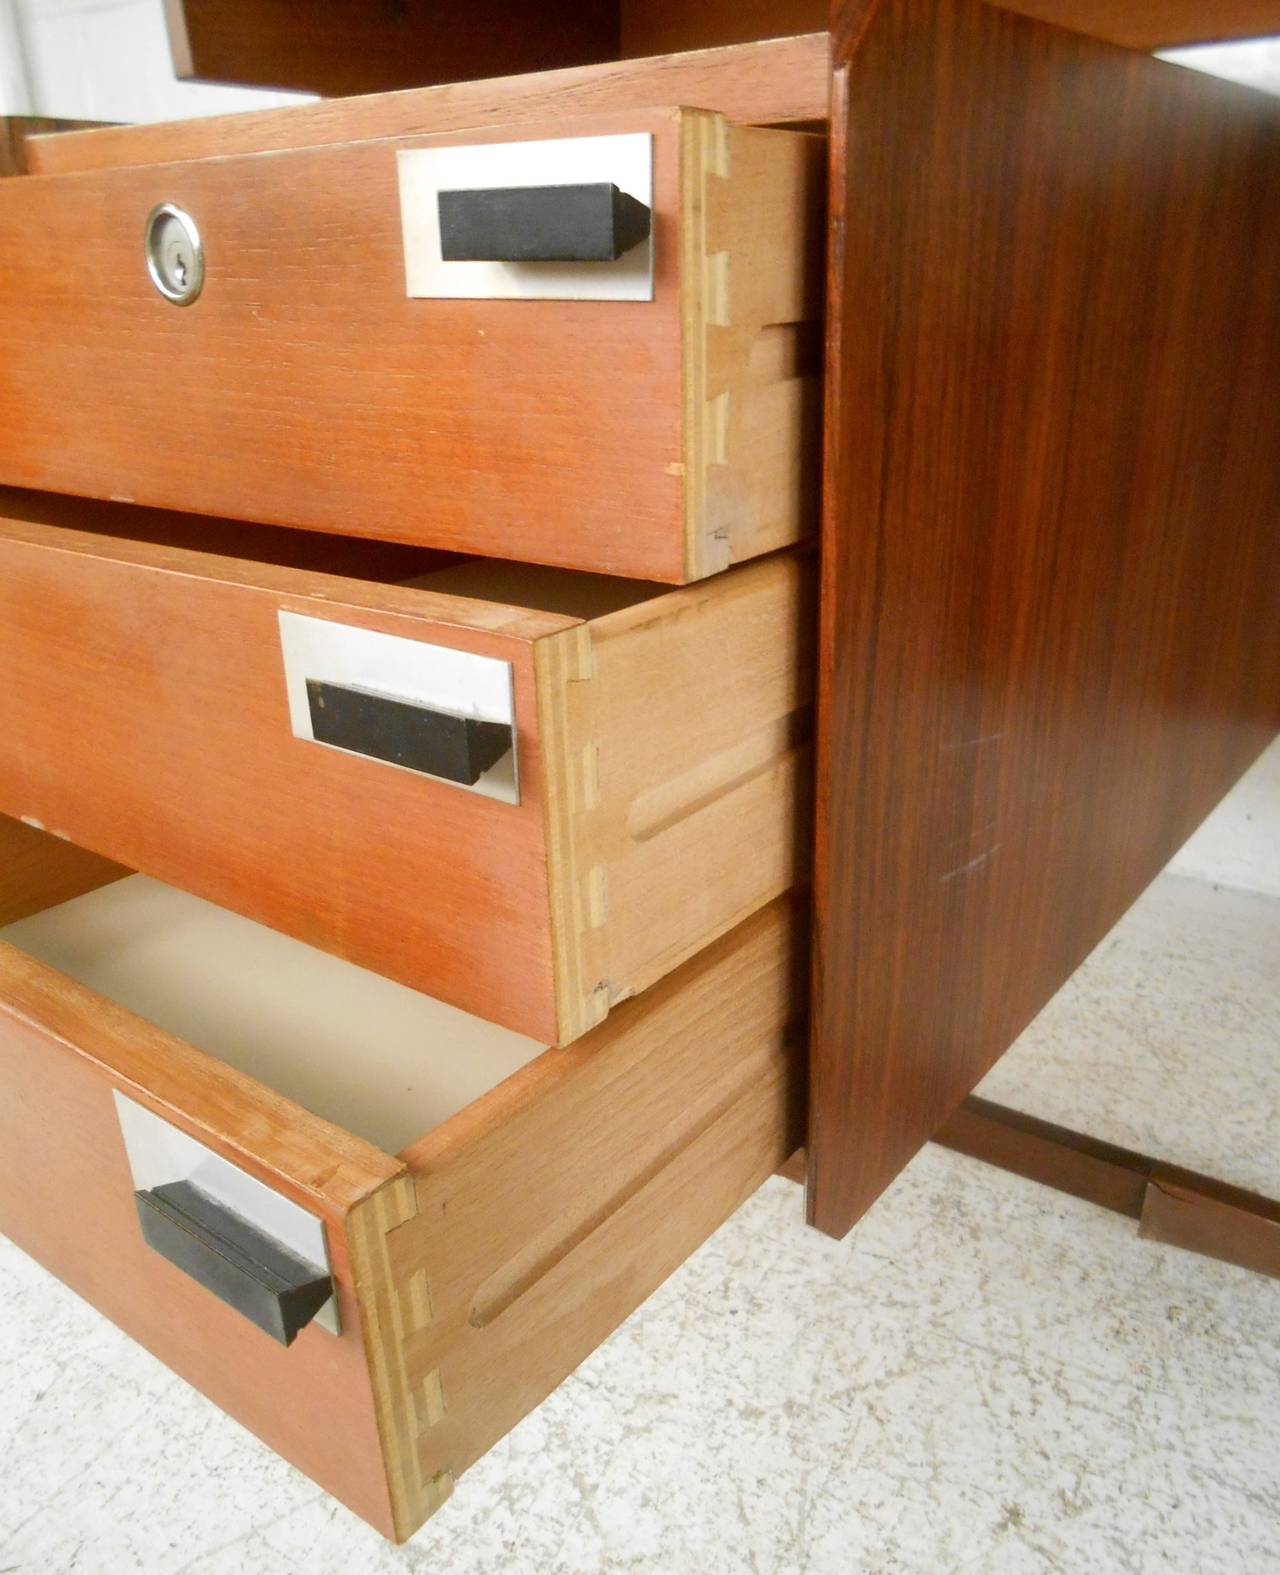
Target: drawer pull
441, 743
242, 1266
585, 223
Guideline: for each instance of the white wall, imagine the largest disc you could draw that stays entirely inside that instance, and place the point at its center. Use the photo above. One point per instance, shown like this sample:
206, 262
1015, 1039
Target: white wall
1254, 61
103, 60
15, 91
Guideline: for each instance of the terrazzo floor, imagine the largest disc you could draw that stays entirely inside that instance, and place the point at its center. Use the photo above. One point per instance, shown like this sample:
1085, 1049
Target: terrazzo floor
985, 1376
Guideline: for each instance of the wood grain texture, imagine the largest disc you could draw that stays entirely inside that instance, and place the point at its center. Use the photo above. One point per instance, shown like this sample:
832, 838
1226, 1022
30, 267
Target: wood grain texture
654, 743
545, 431
38, 871
652, 27
1051, 599
1103, 1173
1157, 24
1181, 1208
185, 765
1197, 1214
16, 132
682, 742
66, 1197
383, 562
356, 47
777, 82
393, 1307
474, 1273
752, 239
550, 1209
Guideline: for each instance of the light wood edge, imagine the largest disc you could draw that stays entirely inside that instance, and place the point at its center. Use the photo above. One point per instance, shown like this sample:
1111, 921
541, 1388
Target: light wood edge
570, 789
728, 261
321, 1165
704, 154
333, 593
18, 131
390, 1313
39, 870
600, 955
639, 1218
639, 1242
772, 81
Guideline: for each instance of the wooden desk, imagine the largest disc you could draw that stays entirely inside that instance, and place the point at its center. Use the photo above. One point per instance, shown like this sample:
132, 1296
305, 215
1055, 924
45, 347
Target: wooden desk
1049, 643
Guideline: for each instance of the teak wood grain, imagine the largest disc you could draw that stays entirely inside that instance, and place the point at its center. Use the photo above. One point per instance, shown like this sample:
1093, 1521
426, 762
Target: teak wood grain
1182, 1209
66, 1197
38, 871
353, 47
550, 1209
16, 132
651, 27
779, 81
474, 1272
678, 735
197, 778
1051, 594
622, 437
655, 743
1158, 24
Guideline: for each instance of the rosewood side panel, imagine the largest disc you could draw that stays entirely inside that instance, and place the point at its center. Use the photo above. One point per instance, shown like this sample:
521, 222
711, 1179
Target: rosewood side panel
1051, 623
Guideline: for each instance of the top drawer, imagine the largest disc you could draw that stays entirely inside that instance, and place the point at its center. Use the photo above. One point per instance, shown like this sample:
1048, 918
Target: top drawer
652, 416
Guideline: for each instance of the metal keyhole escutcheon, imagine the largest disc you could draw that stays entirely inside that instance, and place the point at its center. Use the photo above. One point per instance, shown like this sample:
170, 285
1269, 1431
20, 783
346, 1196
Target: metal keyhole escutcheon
175, 256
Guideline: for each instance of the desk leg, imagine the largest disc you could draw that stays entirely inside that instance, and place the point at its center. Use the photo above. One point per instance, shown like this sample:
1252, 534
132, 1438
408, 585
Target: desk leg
1178, 1207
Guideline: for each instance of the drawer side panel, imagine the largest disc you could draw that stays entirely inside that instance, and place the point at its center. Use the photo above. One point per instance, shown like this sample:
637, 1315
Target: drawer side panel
552, 1208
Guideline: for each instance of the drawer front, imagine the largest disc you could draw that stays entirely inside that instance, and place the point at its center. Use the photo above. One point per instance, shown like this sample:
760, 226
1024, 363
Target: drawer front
67, 1198
662, 434
472, 1274
171, 711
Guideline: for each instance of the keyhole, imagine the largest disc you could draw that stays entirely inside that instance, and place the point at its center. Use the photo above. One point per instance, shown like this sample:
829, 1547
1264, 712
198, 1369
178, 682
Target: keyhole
175, 257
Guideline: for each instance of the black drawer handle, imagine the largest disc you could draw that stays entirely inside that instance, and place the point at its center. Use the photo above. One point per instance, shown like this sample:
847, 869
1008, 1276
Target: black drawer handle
243, 1267
458, 748
594, 223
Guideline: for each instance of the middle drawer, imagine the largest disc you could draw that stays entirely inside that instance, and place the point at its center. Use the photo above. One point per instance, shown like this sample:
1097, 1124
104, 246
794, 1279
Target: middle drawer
528, 792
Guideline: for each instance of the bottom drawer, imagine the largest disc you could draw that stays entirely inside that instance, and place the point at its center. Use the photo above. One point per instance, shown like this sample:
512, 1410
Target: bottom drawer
489, 1209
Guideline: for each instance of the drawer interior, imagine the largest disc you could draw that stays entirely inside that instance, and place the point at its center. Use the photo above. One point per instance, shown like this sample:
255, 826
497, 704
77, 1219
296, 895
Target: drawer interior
363, 1052
573, 593
538, 1197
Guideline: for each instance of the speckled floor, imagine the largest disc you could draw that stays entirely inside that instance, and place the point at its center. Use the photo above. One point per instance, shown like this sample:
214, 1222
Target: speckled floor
985, 1376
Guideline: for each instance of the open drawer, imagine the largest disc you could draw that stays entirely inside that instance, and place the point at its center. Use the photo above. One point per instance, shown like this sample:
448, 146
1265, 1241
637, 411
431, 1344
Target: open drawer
431, 339
484, 1211
528, 792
